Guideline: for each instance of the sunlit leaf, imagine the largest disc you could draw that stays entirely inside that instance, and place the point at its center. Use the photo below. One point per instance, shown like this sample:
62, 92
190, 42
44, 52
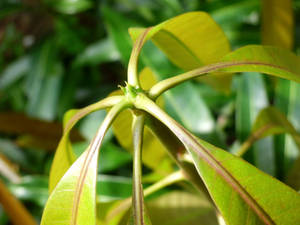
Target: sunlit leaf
182, 208
269, 60
182, 40
64, 156
240, 191
73, 200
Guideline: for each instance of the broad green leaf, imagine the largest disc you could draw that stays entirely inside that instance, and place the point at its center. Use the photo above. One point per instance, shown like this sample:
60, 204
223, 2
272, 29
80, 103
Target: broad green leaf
277, 23
251, 99
175, 100
264, 59
240, 191
73, 200
181, 208
182, 39
64, 156
13, 207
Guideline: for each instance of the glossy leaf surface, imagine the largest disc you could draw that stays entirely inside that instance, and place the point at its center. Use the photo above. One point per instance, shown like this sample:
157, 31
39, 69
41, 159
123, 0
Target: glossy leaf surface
181, 39
64, 156
240, 191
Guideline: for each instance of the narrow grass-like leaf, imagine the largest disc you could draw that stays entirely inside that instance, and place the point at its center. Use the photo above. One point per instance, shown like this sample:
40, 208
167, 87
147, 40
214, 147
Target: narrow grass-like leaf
181, 39
251, 99
73, 201
253, 58
240, 191
64, 156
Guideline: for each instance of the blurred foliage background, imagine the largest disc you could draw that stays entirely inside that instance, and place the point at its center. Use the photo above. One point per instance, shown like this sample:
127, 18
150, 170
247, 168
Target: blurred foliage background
62, 54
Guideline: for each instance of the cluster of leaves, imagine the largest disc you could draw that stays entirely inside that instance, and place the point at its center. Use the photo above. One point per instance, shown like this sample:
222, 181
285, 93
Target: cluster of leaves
82, 64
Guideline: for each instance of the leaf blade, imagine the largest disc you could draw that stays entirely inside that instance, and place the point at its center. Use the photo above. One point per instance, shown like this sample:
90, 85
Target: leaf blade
213, 163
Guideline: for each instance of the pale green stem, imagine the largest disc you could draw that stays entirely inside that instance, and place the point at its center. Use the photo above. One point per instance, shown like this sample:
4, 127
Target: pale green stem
171, 179
251, 139
166, 84
133, 79
102, 104
92, 152
137, 188
194, 147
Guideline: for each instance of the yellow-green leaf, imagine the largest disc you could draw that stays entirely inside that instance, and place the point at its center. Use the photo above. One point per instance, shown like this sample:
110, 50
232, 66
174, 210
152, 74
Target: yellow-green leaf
191, 40
64, 156
264, 59
73, 200
240, 191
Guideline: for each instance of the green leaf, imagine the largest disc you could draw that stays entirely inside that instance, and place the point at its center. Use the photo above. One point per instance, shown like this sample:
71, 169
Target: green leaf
181, 39
98, 52
252, 58
14, 71
240, 191
70, 6
64, 155
73, 201
181, 208
264, 59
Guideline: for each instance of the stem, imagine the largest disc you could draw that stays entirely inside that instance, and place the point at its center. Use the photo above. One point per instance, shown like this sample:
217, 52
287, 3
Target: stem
166, 84
92, 153
251, 139
194, 147
133, 61
171, 179
104, 103
137, 188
